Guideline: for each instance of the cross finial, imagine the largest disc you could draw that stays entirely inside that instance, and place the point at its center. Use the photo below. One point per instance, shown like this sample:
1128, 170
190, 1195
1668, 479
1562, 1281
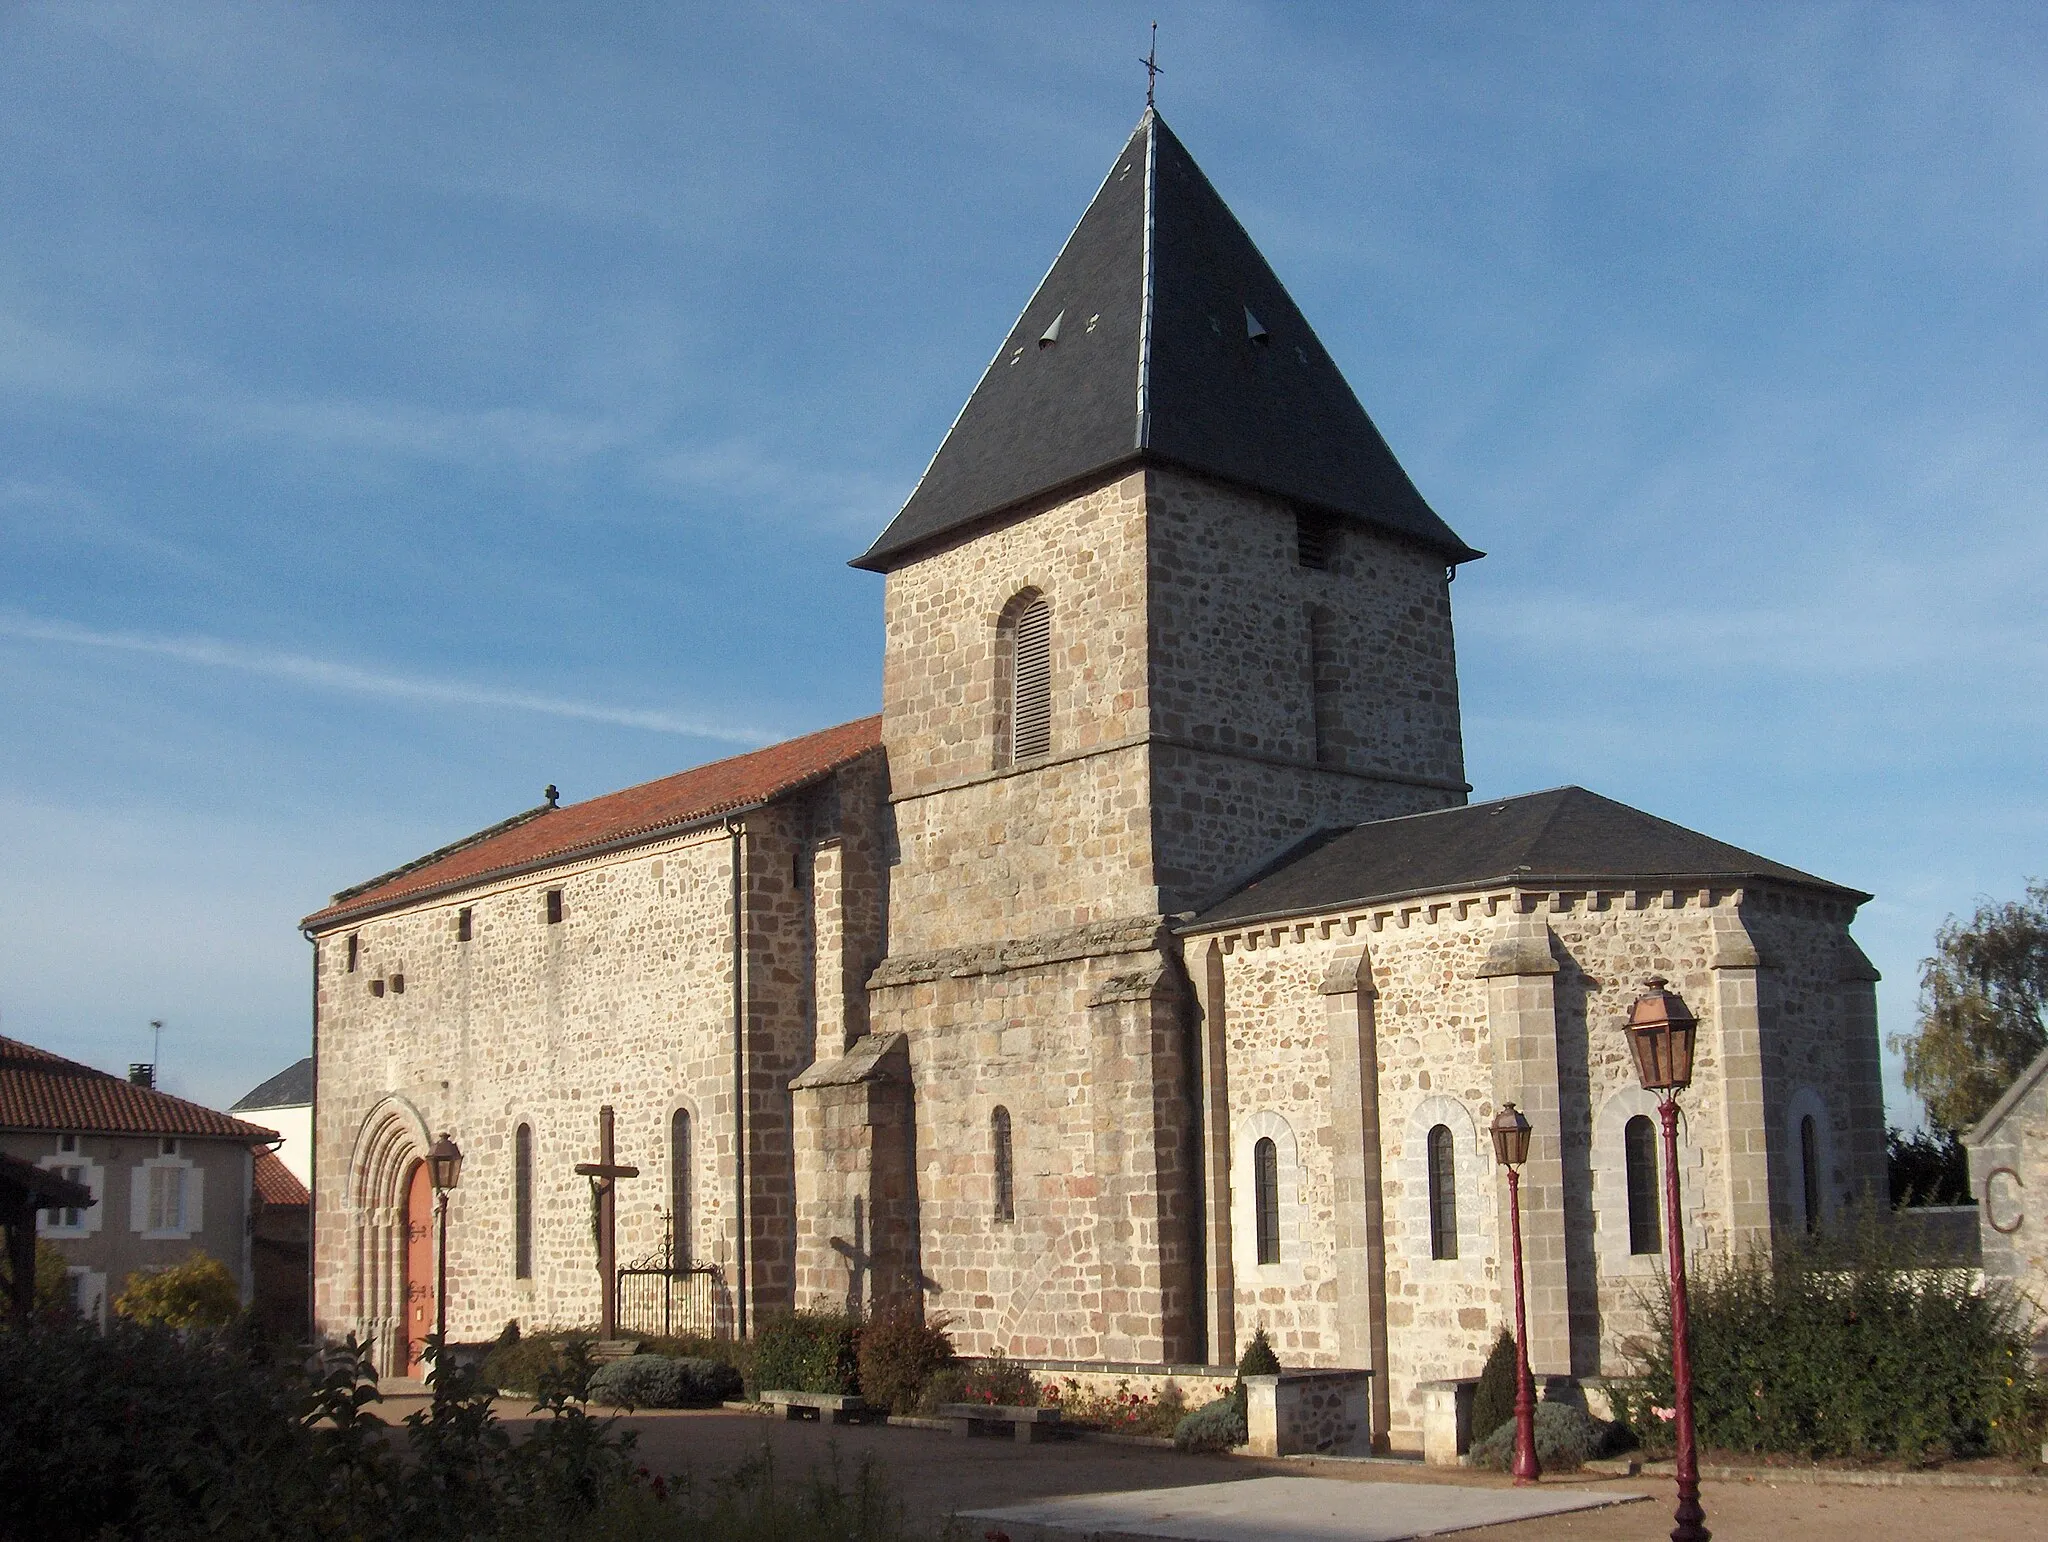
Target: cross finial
1152, 69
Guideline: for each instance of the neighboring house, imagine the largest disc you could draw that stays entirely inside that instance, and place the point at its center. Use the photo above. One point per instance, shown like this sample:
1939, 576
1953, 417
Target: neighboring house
169, 1175
2009, 1179
285, 1103
280, 1248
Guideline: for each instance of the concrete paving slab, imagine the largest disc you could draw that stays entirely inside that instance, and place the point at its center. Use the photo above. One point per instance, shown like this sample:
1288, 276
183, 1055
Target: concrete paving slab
1286, 1510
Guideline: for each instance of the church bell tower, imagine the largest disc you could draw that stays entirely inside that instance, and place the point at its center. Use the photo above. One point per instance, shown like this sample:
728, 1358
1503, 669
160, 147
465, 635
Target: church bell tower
1163, 606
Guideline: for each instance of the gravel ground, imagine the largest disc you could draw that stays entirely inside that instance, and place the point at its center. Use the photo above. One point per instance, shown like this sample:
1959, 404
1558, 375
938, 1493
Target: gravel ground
937, 1474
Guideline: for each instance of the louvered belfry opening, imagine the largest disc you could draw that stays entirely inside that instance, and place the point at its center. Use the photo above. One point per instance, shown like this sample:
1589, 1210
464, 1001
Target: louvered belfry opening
1031, 694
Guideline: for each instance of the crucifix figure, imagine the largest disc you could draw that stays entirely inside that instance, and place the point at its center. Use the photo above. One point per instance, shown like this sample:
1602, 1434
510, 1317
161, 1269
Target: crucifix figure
604, 1175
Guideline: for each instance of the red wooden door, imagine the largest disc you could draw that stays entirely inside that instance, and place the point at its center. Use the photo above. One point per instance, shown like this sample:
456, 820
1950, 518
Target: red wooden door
419, 1267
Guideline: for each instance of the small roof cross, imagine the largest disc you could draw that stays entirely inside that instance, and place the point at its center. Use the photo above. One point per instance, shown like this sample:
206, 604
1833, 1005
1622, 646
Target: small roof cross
1152, 69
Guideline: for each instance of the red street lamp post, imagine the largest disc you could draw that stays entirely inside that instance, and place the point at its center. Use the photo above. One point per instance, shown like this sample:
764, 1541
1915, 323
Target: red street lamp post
1511, 1133
1662, 1032
444, 1170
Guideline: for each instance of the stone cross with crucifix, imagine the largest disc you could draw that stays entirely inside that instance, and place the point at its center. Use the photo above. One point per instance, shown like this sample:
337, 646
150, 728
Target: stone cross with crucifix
604, 1175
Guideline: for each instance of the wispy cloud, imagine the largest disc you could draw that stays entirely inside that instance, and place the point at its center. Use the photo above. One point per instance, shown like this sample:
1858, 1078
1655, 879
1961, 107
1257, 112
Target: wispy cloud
39, 364
333, 675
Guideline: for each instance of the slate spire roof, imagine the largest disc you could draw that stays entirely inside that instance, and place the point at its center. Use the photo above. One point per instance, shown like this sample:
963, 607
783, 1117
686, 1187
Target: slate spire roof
1161, 336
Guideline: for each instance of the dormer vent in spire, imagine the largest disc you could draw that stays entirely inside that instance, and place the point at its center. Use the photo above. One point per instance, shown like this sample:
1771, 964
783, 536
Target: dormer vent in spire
1255, 329
1051, 334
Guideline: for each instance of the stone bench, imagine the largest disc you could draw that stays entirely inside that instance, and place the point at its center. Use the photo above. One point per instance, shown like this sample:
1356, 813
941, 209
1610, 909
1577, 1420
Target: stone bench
1026, 1424
1298, 1412
826, 1407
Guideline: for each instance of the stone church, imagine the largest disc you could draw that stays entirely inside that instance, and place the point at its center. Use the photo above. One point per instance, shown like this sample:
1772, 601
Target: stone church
1141, 976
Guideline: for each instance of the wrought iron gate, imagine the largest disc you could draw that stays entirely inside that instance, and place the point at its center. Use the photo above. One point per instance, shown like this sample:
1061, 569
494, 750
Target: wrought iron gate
658, 1295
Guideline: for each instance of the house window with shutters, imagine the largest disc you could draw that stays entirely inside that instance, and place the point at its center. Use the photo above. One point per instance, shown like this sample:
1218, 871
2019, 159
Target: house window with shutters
1024, 685
164, 1198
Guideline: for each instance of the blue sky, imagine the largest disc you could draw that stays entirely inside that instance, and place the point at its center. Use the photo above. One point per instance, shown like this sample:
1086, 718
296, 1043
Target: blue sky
404, 407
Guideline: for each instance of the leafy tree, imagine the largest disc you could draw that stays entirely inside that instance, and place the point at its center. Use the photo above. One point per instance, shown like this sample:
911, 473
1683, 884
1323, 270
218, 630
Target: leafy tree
53, 1283
198, 1293
1983, 1008
1928, 1167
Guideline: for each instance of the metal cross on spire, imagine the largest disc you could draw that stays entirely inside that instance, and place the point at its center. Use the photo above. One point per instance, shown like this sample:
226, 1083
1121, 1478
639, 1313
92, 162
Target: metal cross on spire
1152, 69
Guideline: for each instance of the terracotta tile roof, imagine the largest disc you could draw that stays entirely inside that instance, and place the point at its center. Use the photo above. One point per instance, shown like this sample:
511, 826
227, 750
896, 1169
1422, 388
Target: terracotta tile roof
276, 1184
42, 1091
552, 835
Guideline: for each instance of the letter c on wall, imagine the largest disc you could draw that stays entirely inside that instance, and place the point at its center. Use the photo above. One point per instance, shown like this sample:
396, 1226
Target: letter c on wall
1990, 1205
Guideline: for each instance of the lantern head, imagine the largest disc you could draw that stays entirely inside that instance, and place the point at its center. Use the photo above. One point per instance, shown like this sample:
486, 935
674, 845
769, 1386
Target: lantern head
1511, 1131
1662, 1031
444, 1163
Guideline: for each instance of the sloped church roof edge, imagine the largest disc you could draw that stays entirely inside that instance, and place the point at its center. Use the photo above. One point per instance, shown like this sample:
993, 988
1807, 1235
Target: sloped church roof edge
1160, 335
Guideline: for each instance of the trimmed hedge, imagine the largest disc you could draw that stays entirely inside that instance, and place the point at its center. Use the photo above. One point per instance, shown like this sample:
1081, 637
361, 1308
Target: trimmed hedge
1566, 1439
1214, 1426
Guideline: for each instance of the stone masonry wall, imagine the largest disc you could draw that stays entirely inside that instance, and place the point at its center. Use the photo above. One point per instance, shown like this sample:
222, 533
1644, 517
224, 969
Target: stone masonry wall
983, 851
627, 1000
1241, 769
1083, 1046
1438, 1065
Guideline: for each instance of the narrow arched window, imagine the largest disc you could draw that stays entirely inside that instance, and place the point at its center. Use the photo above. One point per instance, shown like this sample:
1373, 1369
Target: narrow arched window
1325, 683
522, 1202
1006, 1172
1639, 1152
679, 1193
1266, 1199
1809, 1170
1031, 683
1443, 1193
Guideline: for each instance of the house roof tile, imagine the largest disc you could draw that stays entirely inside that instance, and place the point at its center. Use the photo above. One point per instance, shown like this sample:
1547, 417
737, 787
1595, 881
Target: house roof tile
42, 1091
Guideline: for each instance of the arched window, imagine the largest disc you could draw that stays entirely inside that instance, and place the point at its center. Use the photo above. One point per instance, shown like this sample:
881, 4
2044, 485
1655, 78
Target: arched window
679, 1193
1266, 1198
1639, 1151
522, 1202
1031, 683
1006, 1172
1809, 1170
1443, 1193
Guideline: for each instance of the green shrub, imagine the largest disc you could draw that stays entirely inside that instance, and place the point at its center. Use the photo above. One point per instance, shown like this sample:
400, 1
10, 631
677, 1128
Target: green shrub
521, 1364
813, 1351
995, 1380
1258, 1358
737, 1353
1851, 1346
1493, 1400
1214, 1426
657, 1381
1566, 1439
197, 1293
900, 1351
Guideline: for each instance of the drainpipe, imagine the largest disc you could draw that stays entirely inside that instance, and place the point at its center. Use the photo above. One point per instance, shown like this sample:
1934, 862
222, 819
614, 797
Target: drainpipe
313, 1149
737, 830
